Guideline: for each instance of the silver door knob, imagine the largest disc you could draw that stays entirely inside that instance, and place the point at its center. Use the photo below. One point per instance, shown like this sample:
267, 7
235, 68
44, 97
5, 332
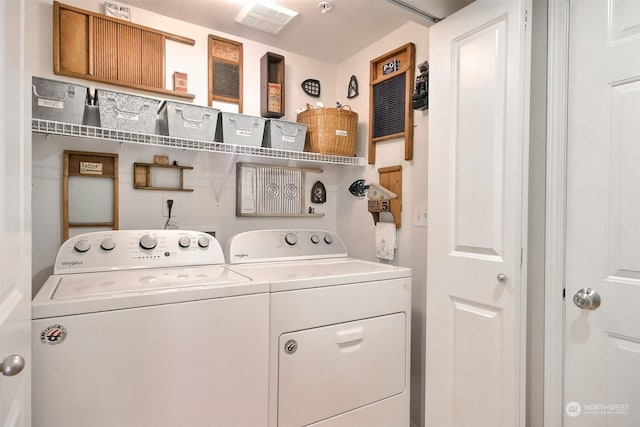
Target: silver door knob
12, 365
501, 278
587, 299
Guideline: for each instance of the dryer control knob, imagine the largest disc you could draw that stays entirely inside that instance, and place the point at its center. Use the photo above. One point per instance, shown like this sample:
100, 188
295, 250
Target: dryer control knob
108, 244
203, 242
82, 245
148, 241
315, 239
184, 242
291, 239
328, 239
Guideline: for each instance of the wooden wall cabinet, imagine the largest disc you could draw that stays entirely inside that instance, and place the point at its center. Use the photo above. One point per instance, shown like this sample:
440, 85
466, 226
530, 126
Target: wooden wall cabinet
272, 86
97, 47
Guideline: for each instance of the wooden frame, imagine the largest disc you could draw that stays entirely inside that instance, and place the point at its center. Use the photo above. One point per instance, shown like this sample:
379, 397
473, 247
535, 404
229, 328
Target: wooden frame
397, 64
272, 86
90, 165
100, 48
224, 53
247, 183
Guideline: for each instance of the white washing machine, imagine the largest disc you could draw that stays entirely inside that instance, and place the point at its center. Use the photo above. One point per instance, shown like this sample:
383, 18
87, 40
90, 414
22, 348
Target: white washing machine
339, 328
149, 328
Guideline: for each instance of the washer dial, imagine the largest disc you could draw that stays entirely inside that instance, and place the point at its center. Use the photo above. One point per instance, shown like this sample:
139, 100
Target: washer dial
184, 242
291, 239
148, 241
203, 242
107, 244
82, 245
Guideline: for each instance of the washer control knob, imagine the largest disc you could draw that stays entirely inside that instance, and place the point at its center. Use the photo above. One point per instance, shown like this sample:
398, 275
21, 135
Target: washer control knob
108, 244
291, 239
148, 241
315, 239
82, 245
184, 242
203, 242
328, 239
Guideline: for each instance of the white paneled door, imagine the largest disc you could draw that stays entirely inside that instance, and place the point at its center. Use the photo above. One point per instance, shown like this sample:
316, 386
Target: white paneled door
15, 220
602, 344
477, 171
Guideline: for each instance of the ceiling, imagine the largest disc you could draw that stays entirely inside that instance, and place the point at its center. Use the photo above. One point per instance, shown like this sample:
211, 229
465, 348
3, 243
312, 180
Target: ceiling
348, 27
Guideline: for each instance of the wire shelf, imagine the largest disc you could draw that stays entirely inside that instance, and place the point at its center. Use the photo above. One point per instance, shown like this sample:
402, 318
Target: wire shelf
49, 127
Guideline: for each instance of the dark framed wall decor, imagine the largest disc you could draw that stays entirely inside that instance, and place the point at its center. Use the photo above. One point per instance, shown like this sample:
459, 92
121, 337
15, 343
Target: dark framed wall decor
390, 112
225, 71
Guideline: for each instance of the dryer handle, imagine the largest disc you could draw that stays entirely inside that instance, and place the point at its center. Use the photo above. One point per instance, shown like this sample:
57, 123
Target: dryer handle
350, 336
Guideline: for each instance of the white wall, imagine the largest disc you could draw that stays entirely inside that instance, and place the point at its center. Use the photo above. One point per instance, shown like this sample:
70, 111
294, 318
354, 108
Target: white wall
213, 201
355, 223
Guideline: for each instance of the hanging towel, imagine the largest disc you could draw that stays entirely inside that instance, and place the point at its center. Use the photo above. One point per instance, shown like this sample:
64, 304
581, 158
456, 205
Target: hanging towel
386, 240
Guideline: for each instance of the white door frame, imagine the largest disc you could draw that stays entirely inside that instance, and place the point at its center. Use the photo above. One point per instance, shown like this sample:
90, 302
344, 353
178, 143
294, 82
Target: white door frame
556, 197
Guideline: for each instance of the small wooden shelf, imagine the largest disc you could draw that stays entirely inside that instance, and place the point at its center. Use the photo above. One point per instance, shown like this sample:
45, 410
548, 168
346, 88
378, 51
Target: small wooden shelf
142, 179
272, 86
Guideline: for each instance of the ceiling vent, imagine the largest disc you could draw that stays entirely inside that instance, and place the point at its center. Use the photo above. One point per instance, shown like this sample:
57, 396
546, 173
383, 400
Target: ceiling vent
265, 16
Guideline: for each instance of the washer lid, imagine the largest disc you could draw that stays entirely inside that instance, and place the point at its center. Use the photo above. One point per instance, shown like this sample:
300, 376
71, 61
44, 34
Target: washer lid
76, 286
71, 294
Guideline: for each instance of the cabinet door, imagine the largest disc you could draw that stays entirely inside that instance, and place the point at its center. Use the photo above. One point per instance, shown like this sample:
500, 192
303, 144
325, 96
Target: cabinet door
326, 371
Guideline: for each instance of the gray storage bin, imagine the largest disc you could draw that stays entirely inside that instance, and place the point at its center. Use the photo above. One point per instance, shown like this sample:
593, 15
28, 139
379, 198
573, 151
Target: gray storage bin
58, 101
284, 135
240, 129
123, 111
187, 121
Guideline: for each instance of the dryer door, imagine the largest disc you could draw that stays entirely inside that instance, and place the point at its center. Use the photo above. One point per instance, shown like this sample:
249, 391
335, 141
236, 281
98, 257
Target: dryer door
330, 370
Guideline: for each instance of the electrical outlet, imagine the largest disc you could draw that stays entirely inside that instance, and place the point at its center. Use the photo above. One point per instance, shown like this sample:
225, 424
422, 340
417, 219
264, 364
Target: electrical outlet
165, 207
420, 215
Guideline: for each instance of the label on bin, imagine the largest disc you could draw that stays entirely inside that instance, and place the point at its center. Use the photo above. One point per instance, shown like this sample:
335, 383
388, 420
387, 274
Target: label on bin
240, 132
50, 103
127, 116
288, 138
192, 125
341, 132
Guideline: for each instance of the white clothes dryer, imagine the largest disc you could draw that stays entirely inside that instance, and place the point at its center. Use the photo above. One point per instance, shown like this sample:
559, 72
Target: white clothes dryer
339, 330
149, 328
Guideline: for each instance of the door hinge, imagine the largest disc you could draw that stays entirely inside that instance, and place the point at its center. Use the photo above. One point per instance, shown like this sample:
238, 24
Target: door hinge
525, 17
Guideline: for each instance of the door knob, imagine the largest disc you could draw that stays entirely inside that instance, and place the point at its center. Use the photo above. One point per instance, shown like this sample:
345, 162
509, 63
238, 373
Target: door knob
501, 278
587, 299
12, 365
